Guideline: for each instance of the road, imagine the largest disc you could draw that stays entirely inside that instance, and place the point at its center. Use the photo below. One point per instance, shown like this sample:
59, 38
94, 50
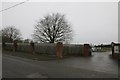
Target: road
16, 67
0, 61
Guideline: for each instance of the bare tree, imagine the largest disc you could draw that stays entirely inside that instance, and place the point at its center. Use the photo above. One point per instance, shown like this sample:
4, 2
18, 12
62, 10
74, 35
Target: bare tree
10, 33
53, 28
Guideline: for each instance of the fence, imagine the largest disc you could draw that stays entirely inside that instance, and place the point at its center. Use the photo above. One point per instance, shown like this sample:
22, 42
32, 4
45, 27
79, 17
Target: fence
47, 48
73, 49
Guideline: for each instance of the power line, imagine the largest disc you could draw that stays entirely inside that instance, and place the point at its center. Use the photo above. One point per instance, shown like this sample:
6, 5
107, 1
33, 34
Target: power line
13, 6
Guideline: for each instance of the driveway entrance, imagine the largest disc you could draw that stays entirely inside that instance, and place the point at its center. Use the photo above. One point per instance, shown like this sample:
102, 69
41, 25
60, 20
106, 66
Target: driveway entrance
100, 61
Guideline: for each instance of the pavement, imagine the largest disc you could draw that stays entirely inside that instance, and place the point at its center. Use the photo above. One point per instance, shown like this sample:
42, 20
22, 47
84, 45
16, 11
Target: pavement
100, 65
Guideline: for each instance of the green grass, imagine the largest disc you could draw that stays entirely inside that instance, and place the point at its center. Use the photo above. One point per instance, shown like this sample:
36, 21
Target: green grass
35, 56
104, 50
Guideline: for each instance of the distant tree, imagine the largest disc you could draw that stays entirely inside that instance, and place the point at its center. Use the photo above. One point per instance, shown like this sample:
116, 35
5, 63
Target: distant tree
10, 33
27, 40
53, 28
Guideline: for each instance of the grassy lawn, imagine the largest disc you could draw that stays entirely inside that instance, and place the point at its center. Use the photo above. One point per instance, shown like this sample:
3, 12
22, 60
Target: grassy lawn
35, 56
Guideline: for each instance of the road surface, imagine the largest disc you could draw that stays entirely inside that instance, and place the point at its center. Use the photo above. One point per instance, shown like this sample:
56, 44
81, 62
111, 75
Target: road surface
16, 67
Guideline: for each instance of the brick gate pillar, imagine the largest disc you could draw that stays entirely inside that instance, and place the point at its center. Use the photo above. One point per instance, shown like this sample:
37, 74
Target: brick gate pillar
32, 46
15, 45
59, 50
3, 45
86, 50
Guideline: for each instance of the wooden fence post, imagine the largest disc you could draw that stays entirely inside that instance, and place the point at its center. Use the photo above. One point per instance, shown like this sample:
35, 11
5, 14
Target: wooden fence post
112, 44
59, 50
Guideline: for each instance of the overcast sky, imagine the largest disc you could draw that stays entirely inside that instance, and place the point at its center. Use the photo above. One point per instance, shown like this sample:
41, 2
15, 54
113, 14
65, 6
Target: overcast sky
92, 22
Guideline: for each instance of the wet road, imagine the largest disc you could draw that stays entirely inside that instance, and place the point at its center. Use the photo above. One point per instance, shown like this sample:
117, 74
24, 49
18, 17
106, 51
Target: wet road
97, 66
100, 61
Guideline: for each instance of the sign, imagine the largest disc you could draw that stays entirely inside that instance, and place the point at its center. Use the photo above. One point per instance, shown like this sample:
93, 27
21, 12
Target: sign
116, 49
